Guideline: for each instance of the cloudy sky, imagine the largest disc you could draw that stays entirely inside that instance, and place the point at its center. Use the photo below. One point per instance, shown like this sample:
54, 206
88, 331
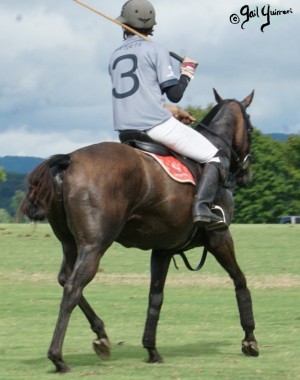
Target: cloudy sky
55, 92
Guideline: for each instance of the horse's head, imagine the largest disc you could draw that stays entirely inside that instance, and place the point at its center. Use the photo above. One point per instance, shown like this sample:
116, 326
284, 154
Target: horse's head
229, 127
241, 142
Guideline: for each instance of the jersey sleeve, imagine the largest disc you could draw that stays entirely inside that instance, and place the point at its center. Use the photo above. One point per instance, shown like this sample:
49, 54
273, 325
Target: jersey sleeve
165, 72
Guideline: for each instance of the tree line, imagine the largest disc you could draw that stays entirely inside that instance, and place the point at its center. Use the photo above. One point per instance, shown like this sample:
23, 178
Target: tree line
273, 192
12, 191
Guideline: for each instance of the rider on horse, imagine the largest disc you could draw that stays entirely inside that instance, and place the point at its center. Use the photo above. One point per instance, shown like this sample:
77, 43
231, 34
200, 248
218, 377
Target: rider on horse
142, 76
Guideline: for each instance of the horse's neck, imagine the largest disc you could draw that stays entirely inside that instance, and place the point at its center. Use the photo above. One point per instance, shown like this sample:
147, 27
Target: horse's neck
220, 128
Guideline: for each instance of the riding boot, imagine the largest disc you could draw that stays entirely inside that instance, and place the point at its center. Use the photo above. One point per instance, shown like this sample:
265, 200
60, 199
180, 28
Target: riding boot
206, 192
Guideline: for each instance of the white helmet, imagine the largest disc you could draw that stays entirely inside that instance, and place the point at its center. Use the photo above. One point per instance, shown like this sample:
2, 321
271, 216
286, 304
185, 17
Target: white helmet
139, 14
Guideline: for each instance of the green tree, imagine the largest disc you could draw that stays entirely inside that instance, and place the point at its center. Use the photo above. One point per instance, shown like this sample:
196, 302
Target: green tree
4, 216
292, 159
199, 112
2, 174
15, 203
8, 188
272, 190
292, 155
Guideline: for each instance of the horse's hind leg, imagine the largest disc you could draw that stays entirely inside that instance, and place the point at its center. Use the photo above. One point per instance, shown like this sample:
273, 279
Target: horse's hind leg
101, 344
84, 271
160, 262
224, 253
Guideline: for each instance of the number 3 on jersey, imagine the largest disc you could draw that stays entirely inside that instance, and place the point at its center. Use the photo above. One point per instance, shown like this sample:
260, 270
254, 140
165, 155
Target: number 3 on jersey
128, 74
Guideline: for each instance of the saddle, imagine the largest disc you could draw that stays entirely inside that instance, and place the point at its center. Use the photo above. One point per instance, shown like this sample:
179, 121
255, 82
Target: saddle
140, 140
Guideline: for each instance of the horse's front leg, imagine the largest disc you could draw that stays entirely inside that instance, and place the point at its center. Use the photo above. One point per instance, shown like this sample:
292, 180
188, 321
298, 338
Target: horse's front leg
223, 250
84, 271
160, 262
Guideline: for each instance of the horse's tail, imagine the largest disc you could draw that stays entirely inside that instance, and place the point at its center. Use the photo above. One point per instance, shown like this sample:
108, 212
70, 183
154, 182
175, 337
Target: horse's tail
44, 182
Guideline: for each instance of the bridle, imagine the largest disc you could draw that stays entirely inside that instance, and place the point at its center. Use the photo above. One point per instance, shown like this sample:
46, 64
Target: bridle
242, 163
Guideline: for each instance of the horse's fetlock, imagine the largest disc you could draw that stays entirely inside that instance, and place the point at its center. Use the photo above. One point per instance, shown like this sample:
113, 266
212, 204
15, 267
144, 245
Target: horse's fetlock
53, 356
98, 327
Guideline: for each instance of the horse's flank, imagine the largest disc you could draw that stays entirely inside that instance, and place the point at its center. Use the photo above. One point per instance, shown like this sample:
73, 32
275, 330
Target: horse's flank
142, 215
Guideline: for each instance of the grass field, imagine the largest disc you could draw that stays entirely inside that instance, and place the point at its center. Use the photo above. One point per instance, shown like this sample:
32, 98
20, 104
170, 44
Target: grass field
199, 333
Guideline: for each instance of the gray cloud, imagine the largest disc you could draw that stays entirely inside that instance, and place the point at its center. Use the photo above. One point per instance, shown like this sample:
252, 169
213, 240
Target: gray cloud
55, 89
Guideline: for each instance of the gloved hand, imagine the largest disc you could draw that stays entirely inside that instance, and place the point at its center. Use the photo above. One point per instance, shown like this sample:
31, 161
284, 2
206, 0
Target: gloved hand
188, 67
181, 115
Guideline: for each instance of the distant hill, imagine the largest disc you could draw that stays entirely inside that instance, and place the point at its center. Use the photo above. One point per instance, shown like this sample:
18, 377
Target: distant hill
278, 136
24, 165
18, 164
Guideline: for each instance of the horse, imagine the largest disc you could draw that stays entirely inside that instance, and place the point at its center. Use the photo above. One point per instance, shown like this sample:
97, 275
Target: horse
112, 192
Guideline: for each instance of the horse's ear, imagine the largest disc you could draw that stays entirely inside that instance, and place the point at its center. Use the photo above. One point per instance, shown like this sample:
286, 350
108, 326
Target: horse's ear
248, 100
217, 96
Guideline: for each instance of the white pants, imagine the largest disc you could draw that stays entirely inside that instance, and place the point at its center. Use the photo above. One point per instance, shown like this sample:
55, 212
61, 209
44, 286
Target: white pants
184, 140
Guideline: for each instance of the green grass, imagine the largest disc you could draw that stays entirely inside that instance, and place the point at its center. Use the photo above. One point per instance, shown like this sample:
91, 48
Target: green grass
199, 333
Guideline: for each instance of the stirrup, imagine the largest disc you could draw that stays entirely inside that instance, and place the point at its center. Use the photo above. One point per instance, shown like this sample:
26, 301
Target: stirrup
217, 226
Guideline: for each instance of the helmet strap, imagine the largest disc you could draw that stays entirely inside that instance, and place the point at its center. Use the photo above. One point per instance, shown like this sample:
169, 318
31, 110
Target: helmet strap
146, 32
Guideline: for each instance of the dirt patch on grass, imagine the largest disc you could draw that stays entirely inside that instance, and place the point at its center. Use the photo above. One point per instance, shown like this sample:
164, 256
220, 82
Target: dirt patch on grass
21, 276
201, 280
207, 280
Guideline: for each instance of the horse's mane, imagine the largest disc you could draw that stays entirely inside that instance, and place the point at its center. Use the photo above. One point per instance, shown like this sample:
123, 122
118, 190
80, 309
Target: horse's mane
213, 112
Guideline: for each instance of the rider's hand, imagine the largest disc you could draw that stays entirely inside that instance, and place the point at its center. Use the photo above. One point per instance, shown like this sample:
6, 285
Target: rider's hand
188, 67
181, 115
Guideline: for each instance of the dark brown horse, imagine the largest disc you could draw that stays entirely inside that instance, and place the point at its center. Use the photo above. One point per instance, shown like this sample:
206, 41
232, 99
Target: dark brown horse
112, 192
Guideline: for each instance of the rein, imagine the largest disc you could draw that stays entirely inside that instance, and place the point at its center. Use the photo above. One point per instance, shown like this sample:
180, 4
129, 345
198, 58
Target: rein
188, 265
180, 252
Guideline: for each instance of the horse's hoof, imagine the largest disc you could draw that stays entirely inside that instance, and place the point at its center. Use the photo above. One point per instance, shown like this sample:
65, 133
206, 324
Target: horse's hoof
157, 359
154, 356
60, 365
250, 348
63, 369
102, 348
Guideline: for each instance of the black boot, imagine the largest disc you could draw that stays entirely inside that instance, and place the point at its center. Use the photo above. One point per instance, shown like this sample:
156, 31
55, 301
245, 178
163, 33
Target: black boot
206, 192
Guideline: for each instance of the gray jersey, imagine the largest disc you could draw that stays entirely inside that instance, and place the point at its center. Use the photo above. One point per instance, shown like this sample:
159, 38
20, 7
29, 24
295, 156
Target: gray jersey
140, 70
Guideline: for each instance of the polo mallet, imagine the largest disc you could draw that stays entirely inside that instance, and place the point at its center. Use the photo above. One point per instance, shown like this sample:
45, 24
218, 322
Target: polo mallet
124, 26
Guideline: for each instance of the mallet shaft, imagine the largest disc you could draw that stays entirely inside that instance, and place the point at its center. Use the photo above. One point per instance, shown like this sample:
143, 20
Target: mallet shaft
131, 30
113, 20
